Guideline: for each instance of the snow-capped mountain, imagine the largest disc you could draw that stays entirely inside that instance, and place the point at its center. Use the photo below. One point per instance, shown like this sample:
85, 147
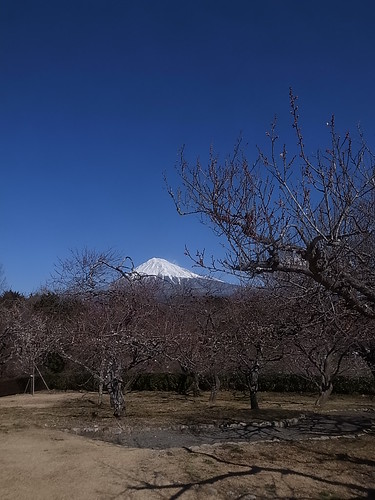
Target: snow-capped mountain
166, 270
178, 279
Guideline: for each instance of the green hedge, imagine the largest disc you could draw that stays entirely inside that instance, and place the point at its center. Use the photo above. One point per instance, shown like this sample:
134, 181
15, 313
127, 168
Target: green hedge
71, 381
268, 383
177, 382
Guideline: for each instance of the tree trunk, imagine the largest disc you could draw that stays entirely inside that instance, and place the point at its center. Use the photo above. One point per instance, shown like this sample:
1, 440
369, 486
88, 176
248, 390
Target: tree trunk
195, 385
185, 378
367, 352
215, 386
116, 396
182, 383
326, 389
114, 385
101, 386
254, 405
252, 382
32, 384
100, 393
32, 381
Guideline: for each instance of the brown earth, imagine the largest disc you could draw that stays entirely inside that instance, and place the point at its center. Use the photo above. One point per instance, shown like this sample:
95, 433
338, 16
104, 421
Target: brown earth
40, 457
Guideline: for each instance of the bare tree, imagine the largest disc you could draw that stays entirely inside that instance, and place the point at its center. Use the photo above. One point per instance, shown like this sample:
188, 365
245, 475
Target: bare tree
198, 339
214, 322
109, 338
8, 301
87, 272
292, 213
112, 332
325, 335
256, 339
181, 340
30, 338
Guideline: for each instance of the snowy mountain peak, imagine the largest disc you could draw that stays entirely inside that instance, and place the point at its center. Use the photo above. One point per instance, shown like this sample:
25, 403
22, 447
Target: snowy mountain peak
176, 279
164, 269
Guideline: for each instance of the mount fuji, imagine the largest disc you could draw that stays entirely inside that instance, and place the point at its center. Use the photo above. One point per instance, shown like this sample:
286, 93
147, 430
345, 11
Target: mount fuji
180, 280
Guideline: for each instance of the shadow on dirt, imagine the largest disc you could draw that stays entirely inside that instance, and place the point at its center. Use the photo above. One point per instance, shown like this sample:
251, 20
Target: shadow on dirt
183, 487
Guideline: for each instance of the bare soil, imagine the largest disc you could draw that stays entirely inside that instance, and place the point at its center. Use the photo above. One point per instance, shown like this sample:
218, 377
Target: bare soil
47, 450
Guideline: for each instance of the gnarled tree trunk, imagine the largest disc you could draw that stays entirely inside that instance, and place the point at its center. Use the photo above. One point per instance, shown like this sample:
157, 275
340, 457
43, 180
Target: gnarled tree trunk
326, 389
195, 385
252, 379
114, 386
215, 386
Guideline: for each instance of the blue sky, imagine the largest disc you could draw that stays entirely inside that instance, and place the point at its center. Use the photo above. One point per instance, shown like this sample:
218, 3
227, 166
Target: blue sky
97, 97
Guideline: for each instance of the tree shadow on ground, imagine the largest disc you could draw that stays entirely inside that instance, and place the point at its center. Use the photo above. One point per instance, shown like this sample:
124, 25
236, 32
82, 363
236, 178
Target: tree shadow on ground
183, 487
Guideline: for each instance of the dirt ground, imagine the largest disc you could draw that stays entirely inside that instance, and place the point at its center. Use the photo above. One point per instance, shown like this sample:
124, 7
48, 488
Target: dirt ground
42, 455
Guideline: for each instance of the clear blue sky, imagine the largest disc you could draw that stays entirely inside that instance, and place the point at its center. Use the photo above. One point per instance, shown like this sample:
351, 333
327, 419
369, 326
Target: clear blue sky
97, 96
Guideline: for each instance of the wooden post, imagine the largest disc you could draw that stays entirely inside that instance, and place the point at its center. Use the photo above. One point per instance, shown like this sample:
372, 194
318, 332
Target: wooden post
41, 376
32, 388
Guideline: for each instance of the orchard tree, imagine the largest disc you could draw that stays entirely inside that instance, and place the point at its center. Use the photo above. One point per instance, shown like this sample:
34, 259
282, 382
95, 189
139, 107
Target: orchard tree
325, 334
292, 213
195, 332
31, 339
9, 300
214, 322
257, 337
87, 273
113, 331
110, 337
182, 341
